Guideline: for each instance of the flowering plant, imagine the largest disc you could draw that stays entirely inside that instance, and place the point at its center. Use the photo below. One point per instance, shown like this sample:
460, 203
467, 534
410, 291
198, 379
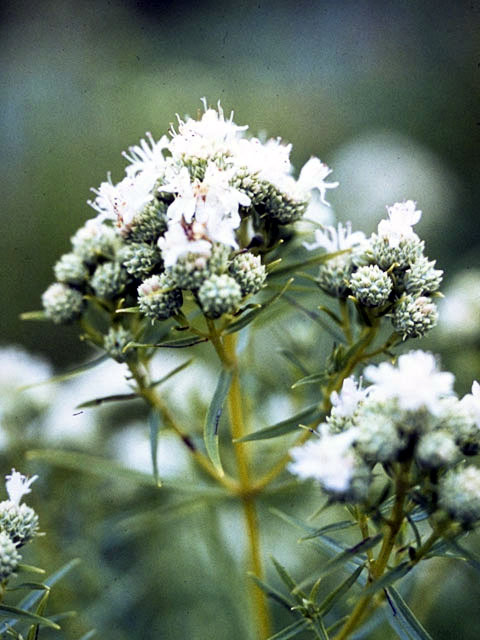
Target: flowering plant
209, 238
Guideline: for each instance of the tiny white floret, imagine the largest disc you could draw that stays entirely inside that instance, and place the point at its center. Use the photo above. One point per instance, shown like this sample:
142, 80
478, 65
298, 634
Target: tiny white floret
17, 486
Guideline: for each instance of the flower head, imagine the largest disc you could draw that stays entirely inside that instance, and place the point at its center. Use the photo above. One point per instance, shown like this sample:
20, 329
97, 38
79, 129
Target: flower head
350, 396
146, 157
336, 239
17, 486
401, 218
415, 382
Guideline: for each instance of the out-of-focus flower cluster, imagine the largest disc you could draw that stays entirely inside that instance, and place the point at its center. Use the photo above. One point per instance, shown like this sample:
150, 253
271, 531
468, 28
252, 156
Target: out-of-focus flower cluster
195, 213
409, 415
386, 273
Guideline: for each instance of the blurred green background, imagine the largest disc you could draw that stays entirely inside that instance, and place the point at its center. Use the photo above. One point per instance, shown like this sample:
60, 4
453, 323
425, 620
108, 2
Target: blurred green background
386, 93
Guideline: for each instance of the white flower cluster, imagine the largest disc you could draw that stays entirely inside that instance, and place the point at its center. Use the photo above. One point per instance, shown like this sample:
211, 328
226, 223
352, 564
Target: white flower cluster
188, 204
409, 412
18, 522
386, 273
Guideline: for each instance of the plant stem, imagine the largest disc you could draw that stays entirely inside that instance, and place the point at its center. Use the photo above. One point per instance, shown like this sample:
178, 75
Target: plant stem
377, 569
155, 401
247, 497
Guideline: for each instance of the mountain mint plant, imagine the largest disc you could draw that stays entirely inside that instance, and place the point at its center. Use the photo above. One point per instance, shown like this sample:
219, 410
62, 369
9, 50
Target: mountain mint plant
199, 243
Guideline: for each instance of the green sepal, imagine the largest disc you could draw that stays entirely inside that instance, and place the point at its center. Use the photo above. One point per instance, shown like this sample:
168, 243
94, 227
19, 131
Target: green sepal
212, 419
310, 414
405, 616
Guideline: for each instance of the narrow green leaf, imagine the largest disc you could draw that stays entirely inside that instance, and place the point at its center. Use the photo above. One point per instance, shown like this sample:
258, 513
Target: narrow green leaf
172, 373
308, 415
128, 310
340, 591
30, 585
470, 557
249, 317
62, 572
334, 526
416, 533
154, 424
119, 397
271, 592
181, 343
390, 577
68, 374
34, 315
406, 617
22, 614
28, 568
295, 522
350, 553
289, 582
293, 359
313, 378
90, 634
291, 631
212, 419
319, 259
94, 465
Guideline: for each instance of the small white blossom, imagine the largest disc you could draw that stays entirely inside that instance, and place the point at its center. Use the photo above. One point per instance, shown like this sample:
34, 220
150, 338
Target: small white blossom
336, 239
123, 201
471, 403
415, 382
312, 176
17, 486
401, 218
351, 394
146, 157
211, 198
207, 137
269, 160
330, 460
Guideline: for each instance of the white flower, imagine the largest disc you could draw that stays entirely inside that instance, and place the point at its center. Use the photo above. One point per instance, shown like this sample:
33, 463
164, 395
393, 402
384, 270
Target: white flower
211, 198
415, 382
329, 460
346, 402
146, 158
123, 201
336, 239
471, 403
207, 137
401, 218
312, 176
17, 486
269, 160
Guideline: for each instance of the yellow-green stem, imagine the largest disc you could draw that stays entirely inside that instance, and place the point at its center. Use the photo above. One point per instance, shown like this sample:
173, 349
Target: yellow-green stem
377, 569
155, 401
235, 406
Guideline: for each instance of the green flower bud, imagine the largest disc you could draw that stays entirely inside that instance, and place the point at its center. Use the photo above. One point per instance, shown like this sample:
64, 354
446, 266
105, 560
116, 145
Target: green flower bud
62, 304
192, 269
437, 449
139, 259
149, 224
219, 295
283, 208
413, 317
371, 286
377, 440
380, 252
20, 522
159, 297
333, 276
115, 341
249, 272
108, 280
95, 241
9, 556
70, 269
460, 494
422, 278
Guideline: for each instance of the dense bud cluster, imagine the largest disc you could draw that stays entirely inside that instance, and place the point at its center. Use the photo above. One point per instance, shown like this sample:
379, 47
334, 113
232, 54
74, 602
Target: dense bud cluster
386, 273
408, 415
